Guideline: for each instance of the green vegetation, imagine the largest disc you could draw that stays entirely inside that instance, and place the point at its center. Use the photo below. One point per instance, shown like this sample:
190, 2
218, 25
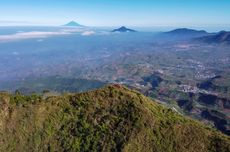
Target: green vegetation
113, 118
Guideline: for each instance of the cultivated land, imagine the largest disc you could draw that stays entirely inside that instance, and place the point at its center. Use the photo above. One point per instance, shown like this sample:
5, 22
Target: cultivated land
180, 68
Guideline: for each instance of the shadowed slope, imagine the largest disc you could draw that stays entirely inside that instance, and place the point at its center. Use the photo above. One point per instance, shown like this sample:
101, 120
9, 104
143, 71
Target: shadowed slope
222, 37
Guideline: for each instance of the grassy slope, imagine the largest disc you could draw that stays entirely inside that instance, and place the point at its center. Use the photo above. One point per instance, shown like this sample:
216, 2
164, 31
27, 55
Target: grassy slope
113, 118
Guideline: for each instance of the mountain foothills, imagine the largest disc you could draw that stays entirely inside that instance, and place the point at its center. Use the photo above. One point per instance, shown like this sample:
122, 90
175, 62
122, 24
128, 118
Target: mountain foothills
112, 118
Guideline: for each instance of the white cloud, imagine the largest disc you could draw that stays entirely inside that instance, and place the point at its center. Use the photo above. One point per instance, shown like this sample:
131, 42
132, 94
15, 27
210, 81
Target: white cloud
20, 35
15, 53
88, 33
40, 40
105, 33
72, 30
30, 35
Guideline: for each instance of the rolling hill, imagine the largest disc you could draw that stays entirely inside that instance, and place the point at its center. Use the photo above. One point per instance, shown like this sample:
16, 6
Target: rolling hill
112, 118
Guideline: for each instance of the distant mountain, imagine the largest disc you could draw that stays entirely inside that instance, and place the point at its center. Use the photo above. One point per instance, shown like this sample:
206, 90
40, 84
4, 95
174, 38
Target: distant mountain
222, 37
183, 34
185, 31
73, 24
123, 29
112, 118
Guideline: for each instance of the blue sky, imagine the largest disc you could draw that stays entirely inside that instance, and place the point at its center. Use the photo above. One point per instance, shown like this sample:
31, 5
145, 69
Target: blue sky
117, 12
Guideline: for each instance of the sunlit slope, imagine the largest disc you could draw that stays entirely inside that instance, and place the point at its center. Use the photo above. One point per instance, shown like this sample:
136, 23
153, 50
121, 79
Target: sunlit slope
113, 118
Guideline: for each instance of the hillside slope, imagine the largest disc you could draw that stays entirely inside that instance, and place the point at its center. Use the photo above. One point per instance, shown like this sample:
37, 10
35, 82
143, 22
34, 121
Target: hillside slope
222, 37
113, 118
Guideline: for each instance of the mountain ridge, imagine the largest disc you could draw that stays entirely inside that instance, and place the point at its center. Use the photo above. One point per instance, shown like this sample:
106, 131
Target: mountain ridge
182, 34
186, 31
222, 37
112, 118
